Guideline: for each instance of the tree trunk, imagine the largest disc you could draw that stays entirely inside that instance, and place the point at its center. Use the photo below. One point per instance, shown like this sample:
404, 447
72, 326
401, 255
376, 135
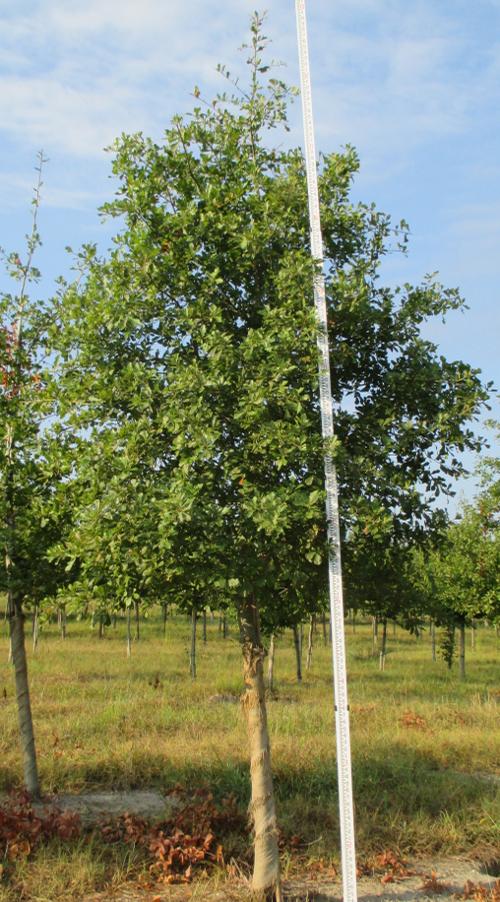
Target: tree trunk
312, 623
270, 663
63, 621
192, 652
433, 640
129, 633
325, 636
165, 615
101, 626
384, 645
473, 637
204, 625
224, 626
353, 620
35, 628
374, 635
298, 652
266, 882
16, 623
137, 621
461, 654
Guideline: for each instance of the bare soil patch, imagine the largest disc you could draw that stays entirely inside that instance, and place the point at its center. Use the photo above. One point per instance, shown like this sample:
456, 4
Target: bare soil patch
93, 806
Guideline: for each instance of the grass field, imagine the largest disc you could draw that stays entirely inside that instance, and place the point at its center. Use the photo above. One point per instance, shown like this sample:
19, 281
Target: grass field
423, 742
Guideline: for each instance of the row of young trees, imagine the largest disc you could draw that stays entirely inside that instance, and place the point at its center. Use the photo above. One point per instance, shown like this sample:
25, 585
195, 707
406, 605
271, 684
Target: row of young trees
159, 416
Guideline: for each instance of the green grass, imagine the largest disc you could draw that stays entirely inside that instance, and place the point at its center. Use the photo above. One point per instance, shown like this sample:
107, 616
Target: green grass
420, 736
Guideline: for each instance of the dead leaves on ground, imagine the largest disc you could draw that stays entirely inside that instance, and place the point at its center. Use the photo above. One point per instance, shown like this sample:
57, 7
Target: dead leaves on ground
22, 828
187, 842
174, 849
386, 865
479, 892
431, 884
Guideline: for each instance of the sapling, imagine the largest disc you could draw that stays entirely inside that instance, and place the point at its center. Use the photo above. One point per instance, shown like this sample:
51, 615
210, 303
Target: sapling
20, 423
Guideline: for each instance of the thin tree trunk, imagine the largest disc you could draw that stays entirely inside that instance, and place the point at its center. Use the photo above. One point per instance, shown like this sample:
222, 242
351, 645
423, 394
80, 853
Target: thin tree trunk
298, 652
270, 663
192, 652
137, 621
461, 653
129, 632
450, 637
204, 625
323, 622
62, 612
165, 615
353, 620
35, 628
312, 623
101, 626
473, 637
433, 640
224, 626
266, 872
384, 645
374, 635
16, 623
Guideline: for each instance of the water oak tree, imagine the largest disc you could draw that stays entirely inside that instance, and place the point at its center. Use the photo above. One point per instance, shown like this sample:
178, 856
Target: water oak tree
197, 334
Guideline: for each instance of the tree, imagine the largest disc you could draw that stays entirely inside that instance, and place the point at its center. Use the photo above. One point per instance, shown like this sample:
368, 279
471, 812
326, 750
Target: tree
380, 576
464, 571
25, 574
196, 338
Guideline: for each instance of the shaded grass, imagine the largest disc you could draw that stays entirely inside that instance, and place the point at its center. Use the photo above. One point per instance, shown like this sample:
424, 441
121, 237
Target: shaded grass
419, 736
71, 870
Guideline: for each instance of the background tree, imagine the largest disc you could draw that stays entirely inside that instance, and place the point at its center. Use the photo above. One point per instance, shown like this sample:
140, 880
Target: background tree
464, 572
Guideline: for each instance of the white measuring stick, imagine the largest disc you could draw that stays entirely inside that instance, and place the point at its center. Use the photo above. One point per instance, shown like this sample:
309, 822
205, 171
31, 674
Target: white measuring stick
347, 838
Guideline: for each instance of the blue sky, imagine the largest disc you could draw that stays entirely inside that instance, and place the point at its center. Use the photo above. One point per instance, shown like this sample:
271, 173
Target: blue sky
414, 86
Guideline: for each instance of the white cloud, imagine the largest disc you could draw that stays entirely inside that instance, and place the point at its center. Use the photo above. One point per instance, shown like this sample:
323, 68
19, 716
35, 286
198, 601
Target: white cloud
386, 77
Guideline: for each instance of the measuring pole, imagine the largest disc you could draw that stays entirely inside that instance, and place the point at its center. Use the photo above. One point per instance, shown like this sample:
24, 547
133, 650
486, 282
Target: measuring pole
347, 840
